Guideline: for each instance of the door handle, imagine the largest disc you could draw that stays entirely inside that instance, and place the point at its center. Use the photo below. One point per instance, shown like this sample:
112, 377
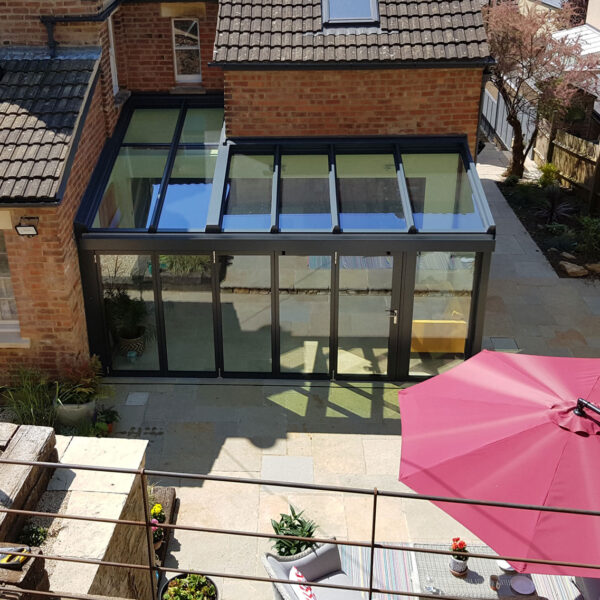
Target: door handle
393, 314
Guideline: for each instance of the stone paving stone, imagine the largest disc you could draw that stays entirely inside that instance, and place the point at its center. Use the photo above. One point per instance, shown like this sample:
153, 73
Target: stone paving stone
382, 457
338, 453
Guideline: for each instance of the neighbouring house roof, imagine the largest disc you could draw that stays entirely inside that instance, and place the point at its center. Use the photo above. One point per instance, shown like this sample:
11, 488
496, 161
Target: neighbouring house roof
291, 31
587, 36
41, 102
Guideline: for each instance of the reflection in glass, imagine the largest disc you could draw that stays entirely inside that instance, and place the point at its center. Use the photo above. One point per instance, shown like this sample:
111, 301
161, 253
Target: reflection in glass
248, 193
151, 126
304, 193
245, 284
304, 292
350, 9
132, 190
188, 193
368, 191
202, 126
129, 309
364, 314
442, 305
440, 193
186, 288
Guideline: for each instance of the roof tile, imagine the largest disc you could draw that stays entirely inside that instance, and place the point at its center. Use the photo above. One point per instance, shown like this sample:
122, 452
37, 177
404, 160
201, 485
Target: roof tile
259, 31
40, 100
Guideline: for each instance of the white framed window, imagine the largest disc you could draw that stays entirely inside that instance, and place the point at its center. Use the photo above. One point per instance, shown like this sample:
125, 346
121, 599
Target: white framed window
111, 55
186, 50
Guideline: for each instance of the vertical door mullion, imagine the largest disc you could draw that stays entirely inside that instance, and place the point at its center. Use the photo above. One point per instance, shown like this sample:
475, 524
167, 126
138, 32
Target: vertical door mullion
161, 338
406, 284
334, 311
106, 348
217, 318
478, 295
397, 260
275, 330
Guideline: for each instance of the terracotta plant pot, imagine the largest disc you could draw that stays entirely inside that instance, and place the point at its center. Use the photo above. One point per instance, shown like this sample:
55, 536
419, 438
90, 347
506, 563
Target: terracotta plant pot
458, 567
157, 545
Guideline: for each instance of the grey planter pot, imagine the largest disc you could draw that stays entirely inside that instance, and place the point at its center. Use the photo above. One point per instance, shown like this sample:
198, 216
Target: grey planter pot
75, 415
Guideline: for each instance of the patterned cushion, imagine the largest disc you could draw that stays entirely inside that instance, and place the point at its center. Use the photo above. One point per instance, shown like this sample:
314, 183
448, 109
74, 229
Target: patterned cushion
303, 592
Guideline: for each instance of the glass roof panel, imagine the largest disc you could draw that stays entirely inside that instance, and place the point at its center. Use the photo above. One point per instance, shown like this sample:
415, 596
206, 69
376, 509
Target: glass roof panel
188, 193
348, 10
248, 193
202, 126
304, 192
130, 196
440, 193
369, 196
151, 126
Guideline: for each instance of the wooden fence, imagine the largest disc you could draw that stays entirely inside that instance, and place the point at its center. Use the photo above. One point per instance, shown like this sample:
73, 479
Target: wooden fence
577, 160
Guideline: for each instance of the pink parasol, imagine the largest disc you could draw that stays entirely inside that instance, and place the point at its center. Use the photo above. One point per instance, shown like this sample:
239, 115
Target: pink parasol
504, 428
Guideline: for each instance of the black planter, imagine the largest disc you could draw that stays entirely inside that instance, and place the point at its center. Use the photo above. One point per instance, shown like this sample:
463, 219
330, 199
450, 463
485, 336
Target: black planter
165, 585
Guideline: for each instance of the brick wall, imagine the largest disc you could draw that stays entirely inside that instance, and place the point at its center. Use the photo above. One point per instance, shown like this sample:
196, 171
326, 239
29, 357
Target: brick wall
45, 269
353, 102
20, 21
145, 48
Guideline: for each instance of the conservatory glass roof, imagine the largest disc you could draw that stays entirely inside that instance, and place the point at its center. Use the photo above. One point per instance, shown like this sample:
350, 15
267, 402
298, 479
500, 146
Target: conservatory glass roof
174, 171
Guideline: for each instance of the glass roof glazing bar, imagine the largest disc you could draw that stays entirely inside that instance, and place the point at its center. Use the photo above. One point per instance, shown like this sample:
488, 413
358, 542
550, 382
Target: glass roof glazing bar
275, 190
168, 169
479, 197
215, 208
404, 196
333, 202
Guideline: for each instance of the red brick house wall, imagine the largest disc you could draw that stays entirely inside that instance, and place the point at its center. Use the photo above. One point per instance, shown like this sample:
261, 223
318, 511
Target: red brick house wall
20, 21
353, 102
145, 48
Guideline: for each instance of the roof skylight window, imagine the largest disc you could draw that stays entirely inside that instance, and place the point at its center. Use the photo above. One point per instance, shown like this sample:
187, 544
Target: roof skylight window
357, 12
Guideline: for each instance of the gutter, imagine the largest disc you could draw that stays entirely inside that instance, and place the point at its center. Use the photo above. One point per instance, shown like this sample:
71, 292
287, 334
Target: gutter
51, 20
339, 66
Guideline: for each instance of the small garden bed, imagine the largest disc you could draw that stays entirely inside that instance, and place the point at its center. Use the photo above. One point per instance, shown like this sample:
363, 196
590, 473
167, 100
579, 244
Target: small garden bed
558, 222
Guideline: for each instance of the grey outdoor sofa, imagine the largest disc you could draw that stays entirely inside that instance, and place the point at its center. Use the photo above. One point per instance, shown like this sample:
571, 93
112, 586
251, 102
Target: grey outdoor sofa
321, 564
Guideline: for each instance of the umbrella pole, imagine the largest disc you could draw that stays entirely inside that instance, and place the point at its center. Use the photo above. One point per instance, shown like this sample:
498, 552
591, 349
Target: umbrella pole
583, 404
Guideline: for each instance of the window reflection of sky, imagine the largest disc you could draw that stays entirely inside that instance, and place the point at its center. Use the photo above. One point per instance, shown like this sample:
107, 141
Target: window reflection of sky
186, 206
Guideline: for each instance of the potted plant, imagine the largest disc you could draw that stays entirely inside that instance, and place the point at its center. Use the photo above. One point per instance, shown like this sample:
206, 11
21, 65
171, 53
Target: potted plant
76, 390
458, 561
107, 416
158, 534
189, 587
157, 512
293, 524
126, 318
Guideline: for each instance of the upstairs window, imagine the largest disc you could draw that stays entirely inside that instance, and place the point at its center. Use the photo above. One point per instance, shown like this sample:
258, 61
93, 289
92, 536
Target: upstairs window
353, 12
186, 48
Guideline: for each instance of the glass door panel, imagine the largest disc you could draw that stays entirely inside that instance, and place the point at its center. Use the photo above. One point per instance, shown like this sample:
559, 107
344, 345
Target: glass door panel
304, 313
186, 289
365, 314
128, 294
245, 287
441, 310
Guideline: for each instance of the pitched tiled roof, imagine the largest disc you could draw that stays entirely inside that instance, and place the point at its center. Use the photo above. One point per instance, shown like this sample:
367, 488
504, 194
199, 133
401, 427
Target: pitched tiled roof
40, 102
291, 31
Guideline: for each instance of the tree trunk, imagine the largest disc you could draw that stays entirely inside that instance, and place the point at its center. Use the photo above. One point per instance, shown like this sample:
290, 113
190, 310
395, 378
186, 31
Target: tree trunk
517, 161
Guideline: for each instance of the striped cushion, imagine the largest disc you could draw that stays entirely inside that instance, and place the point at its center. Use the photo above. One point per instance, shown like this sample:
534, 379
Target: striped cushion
304, 592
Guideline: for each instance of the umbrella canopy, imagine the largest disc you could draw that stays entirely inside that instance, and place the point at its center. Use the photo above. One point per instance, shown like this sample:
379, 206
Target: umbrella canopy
502, 427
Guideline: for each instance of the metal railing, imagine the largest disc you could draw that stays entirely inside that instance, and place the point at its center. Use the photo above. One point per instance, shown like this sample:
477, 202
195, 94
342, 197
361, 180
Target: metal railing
154, 570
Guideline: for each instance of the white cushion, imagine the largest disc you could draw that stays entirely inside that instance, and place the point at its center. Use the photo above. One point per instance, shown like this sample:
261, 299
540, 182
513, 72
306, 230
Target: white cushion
303, 592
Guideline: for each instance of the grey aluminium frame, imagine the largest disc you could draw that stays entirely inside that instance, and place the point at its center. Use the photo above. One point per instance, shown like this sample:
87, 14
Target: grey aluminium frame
403, 246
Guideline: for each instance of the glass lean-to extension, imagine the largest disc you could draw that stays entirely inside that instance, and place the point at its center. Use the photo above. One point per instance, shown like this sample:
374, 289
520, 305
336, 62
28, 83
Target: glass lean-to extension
313, 258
